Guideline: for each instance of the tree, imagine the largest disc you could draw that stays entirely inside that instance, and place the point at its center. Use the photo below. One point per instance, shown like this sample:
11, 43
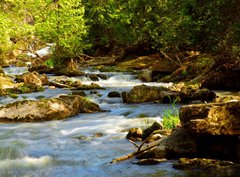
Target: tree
61, 22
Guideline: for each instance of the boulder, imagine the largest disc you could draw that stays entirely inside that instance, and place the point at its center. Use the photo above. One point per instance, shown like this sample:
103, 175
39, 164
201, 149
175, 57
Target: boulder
212, 119
46, 109
114, 94
193, 94
31, 78
93, 77
143, 93
180, 143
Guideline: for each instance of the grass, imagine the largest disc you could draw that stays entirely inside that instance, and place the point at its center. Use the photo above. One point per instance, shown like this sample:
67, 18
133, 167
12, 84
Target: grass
170, 117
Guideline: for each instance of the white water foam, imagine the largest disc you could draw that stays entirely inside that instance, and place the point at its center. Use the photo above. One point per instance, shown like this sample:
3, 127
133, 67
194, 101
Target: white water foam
27, 162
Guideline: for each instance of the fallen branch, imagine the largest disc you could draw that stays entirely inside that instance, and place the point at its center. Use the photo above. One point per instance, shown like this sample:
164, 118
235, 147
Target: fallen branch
166, 56
133, 143
136, 153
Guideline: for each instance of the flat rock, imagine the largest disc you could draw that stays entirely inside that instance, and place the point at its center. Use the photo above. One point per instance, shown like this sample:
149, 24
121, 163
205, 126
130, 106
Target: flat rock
46, 109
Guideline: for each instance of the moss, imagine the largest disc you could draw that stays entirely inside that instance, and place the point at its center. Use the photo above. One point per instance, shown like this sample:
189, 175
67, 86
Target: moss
15, 96
40, 97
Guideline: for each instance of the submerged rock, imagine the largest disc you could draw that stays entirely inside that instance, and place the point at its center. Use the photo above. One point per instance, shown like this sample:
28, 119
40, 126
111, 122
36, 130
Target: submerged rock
46, 109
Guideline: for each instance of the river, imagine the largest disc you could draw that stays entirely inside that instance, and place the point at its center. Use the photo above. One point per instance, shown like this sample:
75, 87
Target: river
83, 145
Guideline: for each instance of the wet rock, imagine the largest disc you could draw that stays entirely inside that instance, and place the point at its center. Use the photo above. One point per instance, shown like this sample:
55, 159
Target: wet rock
102, 76
80, 93
94, 77
212, 119
143, 93
89, 87
135, 134
155, 126
150, 161
24, 88
212, 166
68, 72
46, 109
114, 94
94, 92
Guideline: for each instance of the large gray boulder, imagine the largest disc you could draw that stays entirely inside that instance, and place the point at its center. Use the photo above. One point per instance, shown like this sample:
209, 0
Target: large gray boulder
46, 109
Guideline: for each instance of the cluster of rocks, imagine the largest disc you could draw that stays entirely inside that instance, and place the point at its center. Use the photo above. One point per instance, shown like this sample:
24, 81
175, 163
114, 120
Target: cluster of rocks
209, 131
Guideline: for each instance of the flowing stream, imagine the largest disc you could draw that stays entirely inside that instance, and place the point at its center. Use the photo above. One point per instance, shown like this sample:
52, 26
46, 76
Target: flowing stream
85, 144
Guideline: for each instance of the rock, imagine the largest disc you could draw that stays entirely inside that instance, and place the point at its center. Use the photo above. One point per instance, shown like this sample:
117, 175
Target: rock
146, 75
1, 70
135, 134
224, 75
114, 94
68, 72
211, 166
80, 93
46, 109
44, 79
153, 138
150, 161
143, 93
181, 143
150, 130
6, 82
89, 87
31, 78
224, 99
102, 76
212, 119
94, 77
24, 88
41, 68
193, 94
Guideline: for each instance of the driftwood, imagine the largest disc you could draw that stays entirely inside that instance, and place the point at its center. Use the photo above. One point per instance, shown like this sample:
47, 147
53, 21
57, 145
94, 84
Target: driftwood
137, 152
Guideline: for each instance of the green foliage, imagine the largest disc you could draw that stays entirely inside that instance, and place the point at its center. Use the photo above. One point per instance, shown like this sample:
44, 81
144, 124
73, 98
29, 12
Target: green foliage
61, 22
75, 25
170, 117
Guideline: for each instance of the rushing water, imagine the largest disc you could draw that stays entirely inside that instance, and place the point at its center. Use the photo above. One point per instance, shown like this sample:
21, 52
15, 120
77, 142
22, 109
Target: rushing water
85, 144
